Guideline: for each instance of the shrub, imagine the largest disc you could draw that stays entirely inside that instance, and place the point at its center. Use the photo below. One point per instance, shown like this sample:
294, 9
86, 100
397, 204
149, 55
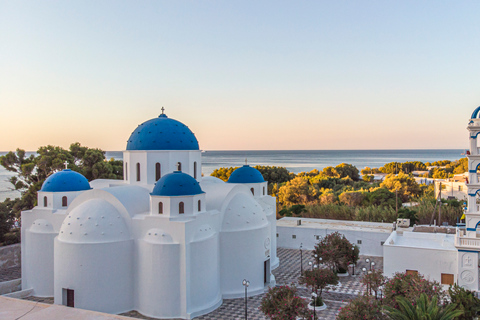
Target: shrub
362, 307
282, 303
335, 251
465, 301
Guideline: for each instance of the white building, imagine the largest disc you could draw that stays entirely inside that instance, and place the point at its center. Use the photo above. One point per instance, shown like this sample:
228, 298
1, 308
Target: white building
442, 257
164, 241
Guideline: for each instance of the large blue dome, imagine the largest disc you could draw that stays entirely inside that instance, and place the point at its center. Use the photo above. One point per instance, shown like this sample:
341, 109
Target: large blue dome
162, 133
65, 181
176, 183
246, 174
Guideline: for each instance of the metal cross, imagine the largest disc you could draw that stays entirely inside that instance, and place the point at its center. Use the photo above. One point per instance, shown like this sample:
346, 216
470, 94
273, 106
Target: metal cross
65, 163
245, 161
163, 109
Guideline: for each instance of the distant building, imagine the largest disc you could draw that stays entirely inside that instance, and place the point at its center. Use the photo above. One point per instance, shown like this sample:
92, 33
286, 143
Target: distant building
451, 188
164, 241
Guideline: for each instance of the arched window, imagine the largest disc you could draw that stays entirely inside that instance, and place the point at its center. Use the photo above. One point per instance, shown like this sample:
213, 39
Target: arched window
158, 171
126, 170
138, 171
160, 207
179, 166
195, 170
181, 207
263, 190
253, 192
199, 205
64, 201
44, 201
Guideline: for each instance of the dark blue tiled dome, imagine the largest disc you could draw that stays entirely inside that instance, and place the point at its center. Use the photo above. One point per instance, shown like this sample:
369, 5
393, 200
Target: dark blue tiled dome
162, 133
246, 174
65, 181
176, 183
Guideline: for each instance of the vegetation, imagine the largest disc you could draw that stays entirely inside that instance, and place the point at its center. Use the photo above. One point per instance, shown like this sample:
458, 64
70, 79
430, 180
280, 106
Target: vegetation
32, 171
362, 307
465, 301
373, 280
282, 303
318, 279
336, 252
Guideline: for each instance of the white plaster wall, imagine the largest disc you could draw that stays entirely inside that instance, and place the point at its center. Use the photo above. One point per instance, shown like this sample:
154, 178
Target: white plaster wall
429, 262
99, 273
204, 264
242, 255
371, 241
39, 262
171, 205
158, 279
467, 262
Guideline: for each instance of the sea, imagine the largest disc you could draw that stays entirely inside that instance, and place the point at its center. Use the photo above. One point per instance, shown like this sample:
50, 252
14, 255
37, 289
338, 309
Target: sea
294, 160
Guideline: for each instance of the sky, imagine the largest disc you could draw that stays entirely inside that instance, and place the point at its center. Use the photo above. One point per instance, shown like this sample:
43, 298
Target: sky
243, 75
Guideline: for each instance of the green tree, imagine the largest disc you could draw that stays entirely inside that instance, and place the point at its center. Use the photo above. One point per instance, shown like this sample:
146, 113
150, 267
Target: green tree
318, 279
373, 280
404, 184
348, 170
223, 173
380, 197
297, 191
362, 307
281, 303
424, 308
465, 301
351, 198
330, 172
335, 251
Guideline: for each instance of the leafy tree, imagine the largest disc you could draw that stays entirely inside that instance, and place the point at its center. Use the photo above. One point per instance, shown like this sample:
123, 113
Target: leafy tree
348, 170
404, 184
281, 303
335, 251
328, 197
297, 191
223, 173
362, 307
380, 197
423, 308
368, 178
405, 213
351, 198
7, 220
410, 286
318, 279
330, 172
461, 166
373, 280
465, 301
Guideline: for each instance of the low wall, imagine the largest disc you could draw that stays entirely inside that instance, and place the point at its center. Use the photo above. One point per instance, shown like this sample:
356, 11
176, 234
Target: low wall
10, 256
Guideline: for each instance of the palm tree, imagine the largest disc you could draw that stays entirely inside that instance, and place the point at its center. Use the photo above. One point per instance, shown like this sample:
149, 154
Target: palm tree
423, 310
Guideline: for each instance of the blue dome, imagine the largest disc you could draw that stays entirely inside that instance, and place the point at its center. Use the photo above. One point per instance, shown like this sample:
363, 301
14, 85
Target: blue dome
64, 181
162, 133
176, 183
246, 174
475, 113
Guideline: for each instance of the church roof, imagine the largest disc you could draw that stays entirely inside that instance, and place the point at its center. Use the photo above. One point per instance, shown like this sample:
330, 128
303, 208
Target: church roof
65, 181
246, 174
176, 183
162, 133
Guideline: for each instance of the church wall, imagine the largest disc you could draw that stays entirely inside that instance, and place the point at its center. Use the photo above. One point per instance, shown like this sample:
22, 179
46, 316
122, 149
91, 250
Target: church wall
204, 275
158, 285
242, 256
39, 262
99, 273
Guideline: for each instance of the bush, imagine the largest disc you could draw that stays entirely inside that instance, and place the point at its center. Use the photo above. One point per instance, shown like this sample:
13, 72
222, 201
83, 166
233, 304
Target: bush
282, 303
335, 251
362, 307
465, 301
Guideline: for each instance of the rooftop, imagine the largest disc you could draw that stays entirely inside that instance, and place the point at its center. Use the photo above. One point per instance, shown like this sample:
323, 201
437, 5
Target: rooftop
336, 224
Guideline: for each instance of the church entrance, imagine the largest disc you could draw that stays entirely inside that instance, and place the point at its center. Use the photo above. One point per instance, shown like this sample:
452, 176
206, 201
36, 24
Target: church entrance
266, 271
68, 298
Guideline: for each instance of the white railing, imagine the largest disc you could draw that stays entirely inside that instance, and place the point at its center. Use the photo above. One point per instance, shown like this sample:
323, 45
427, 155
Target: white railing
468, 242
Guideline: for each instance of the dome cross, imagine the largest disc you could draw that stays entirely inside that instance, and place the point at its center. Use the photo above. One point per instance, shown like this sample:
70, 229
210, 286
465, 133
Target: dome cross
163, 109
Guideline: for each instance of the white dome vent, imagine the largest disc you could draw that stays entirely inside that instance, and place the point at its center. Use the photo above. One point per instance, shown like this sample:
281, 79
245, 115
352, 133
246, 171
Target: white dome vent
94, 221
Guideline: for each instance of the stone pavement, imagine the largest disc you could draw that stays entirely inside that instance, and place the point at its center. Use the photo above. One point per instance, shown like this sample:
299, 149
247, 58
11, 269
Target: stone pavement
287, 273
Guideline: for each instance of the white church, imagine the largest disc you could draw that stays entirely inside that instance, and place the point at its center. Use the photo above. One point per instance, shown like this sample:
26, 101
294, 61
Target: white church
165, 241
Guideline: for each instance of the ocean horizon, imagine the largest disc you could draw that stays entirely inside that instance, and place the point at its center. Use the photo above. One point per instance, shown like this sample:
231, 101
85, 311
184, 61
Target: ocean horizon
294, 160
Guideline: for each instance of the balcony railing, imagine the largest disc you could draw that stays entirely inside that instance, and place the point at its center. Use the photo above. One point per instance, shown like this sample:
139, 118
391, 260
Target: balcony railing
467, 242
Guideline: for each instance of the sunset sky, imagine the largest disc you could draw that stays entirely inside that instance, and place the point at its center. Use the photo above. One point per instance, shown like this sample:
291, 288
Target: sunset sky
241, 74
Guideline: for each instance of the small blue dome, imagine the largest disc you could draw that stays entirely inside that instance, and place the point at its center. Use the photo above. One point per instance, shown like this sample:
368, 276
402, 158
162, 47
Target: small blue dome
65, 181
162, 133
176, 183
246, 174
476, 113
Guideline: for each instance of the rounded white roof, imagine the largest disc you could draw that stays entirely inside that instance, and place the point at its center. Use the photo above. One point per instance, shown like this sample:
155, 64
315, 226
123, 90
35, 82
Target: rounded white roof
94, 221
41, 226
243, 212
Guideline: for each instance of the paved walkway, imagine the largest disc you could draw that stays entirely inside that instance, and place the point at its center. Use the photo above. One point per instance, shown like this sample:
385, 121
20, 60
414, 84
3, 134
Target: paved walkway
287, 273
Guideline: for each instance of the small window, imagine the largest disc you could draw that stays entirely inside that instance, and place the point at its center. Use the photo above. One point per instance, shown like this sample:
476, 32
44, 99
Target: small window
199, 205
382, 243
44, 201
181, 208
411, 272
160, 207
179, 166
253, 191
138, 171
158, 171
263, 190
447, 278
195, 171
126, 170
64, 201
294, 236
317, 237
359, 241
277, 235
